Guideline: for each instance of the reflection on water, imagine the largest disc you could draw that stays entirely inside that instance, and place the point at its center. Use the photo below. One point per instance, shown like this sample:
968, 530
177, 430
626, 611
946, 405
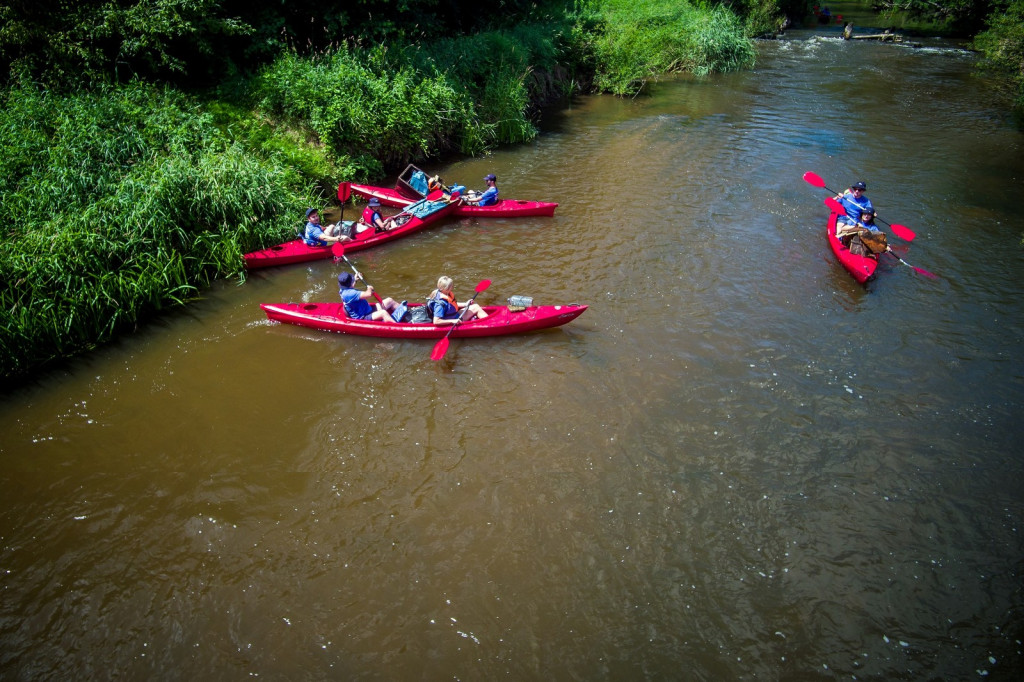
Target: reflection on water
738, 462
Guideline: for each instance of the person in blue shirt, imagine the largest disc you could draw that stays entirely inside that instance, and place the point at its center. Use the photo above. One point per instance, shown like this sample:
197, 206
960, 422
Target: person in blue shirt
316, 235
446, 309
866, 222
863, 238
855, 202
357, 303
490, 195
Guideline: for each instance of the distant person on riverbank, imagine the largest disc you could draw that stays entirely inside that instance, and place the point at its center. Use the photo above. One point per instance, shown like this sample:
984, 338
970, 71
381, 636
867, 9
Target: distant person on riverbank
317, 235
357, 303
855, 202
446, 309
490, 195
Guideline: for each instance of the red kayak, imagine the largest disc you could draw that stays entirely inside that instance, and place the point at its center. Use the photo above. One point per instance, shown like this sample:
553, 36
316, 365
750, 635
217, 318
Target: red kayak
500, 320
416, 216
861, 267
504, 208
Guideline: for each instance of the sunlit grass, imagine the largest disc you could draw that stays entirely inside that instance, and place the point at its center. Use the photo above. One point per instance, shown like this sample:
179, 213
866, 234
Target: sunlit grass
636, 42
120, 203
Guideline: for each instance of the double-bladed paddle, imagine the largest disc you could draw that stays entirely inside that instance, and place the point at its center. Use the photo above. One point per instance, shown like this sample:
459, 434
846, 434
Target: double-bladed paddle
339, 247
901, 231
441, 347
836, 207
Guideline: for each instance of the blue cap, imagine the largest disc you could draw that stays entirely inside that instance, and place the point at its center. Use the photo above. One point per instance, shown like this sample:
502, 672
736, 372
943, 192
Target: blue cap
374, 201
310, 211
490, 176
345, 280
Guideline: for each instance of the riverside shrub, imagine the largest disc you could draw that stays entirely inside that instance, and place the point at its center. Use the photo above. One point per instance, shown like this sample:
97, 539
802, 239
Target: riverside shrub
364, 106
635, 42
120, 202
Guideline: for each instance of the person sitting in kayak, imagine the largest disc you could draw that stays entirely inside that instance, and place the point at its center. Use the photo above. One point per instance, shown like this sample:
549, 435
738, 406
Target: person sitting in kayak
855, 202
489, 197
371, 217
357, 304
864, 238
865, 221
446, 309
316, 235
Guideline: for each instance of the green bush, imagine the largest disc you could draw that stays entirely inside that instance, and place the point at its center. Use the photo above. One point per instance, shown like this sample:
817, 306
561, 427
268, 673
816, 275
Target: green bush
1003, 45
120, 202
496, 69
363, 107
638, 42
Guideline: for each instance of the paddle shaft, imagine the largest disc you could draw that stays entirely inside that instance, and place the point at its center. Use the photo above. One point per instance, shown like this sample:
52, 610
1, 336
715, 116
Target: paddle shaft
344, 192
405, 211
920, 271
375, 294
441, 347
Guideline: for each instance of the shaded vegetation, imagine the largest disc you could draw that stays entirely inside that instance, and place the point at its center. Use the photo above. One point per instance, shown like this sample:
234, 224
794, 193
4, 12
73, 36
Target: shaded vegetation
996, 27
1003, 45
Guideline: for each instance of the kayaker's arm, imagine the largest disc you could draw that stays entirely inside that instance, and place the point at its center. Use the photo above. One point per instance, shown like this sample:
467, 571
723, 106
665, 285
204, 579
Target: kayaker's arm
444, 320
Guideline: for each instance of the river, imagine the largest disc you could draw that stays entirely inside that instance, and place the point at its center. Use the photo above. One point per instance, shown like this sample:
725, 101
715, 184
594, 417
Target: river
737, 464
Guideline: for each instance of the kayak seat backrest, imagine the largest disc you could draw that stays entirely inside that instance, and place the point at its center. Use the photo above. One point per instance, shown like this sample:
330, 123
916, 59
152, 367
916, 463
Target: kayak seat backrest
418, 182
405, 183
429, 305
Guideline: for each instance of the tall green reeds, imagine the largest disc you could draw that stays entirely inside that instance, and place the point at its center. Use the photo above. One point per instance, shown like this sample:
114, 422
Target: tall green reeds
505, 73
1002, 46
635, 42
365, 107
119, 203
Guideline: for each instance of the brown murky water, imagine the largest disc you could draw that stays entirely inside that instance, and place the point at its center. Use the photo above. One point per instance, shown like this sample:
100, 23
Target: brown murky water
737, 463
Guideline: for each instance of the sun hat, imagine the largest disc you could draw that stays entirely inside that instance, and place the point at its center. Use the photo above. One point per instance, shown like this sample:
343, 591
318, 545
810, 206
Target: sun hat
345, 280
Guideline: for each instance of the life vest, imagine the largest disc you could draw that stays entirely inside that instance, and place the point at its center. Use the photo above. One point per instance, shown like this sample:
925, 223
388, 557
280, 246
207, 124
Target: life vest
443, 303
368, 215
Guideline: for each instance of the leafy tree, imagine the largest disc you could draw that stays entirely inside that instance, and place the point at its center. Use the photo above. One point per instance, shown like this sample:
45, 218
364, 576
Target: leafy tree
963, 16
1003, 44
65, 41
